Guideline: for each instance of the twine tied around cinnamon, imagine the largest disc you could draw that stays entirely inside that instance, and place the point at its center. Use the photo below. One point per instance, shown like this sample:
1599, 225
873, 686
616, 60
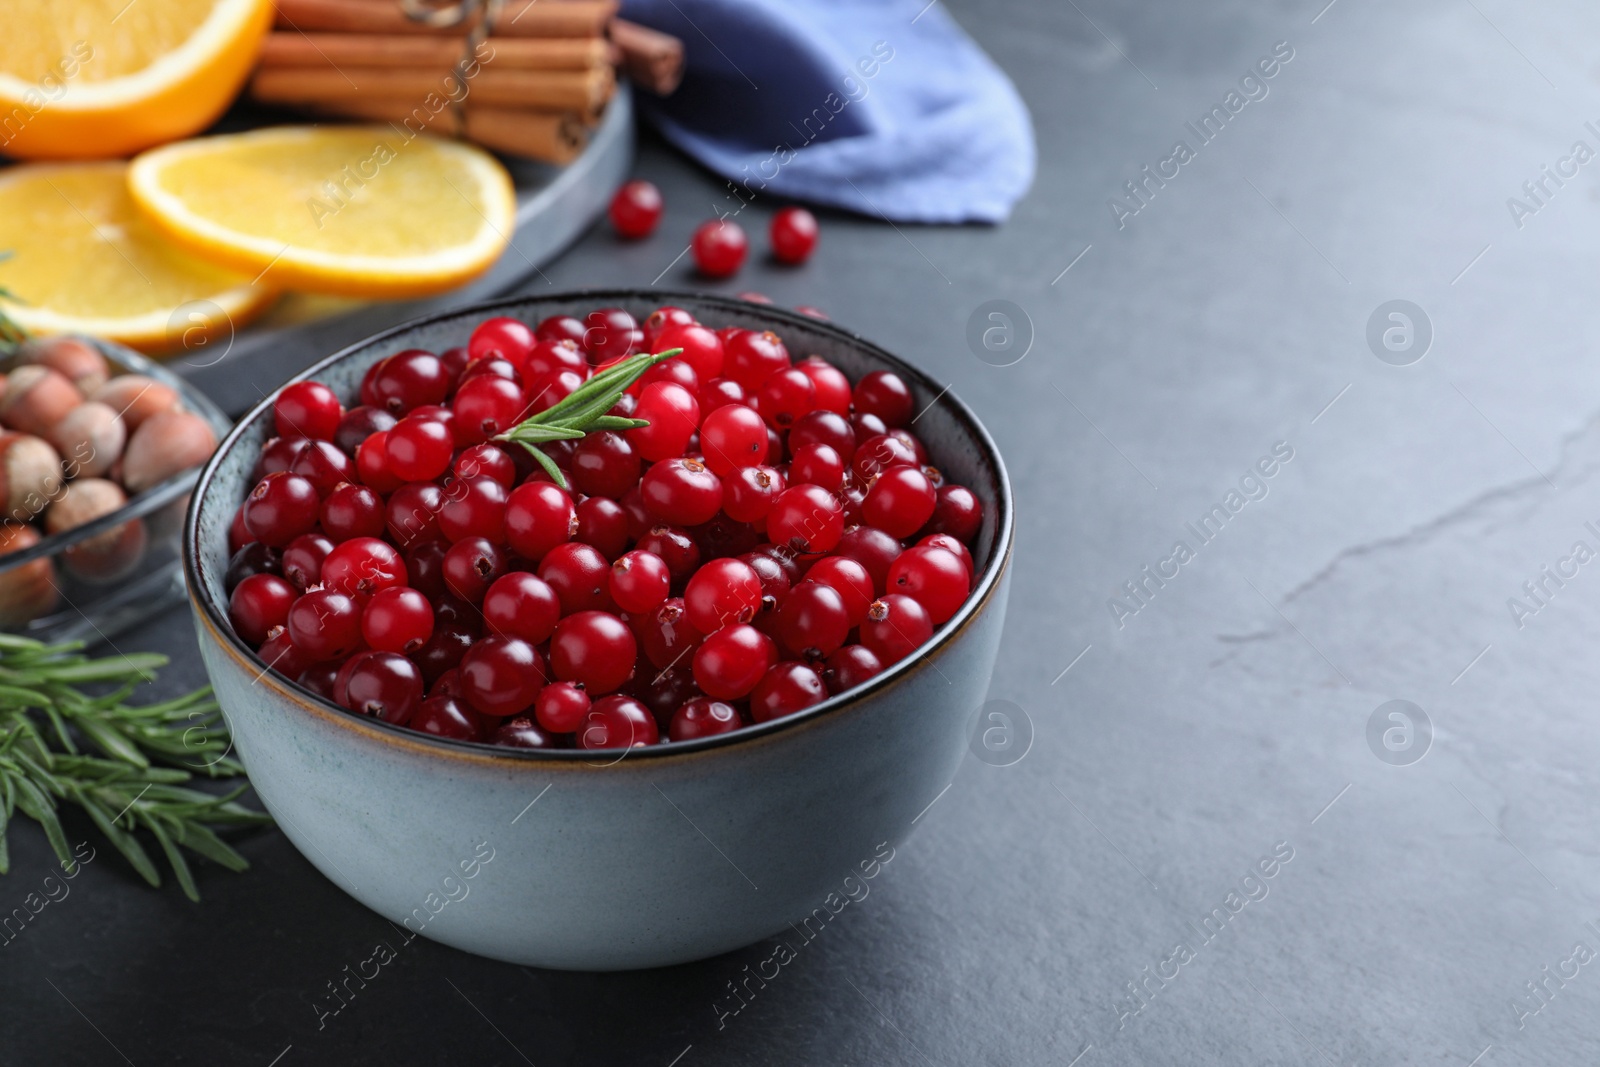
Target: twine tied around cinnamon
442, 14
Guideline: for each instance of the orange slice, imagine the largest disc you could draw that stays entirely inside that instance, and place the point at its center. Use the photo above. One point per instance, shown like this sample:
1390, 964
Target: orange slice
347, 210
83, 260
92, 79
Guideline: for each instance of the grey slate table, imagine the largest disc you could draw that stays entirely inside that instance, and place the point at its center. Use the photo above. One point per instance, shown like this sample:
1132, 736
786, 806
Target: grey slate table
1102, 899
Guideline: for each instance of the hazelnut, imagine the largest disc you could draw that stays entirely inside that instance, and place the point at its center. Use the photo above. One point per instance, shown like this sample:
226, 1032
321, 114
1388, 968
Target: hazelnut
105, 557
163, 445
30, 476
135, 397
76, 360
28, 591
90, 439
36, 399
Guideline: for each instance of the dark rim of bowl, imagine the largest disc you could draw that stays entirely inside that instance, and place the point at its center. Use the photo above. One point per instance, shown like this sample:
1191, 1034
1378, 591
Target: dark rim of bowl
993, 568
152, 499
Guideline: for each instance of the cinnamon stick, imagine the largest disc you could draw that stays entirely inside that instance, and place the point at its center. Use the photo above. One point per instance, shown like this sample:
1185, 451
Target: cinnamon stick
584, 90
337, 50
518, 18
552, 137
651, 58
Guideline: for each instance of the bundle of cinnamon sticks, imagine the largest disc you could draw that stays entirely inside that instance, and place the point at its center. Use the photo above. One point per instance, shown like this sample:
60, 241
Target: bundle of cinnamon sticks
535, 87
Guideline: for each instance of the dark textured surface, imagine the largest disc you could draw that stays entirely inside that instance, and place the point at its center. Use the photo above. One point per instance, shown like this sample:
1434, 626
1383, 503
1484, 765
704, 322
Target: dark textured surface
1224, 717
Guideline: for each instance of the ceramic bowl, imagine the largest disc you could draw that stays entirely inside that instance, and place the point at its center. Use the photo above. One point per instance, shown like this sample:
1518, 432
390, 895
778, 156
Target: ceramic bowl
642, 857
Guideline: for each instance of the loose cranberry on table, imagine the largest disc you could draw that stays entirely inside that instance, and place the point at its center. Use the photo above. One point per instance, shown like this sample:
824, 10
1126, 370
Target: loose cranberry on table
719, 248
636, 209
539, 539
793, 234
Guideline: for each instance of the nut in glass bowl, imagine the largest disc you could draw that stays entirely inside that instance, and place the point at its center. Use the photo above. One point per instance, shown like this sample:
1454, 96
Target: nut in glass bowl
99, 449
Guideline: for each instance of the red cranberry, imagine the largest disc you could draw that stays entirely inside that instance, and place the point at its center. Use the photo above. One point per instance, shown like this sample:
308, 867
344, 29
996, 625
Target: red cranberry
412, 515
661, 318
817, 465
673, 414
719, 248
751, 358
594, 648
280, 653
784, 397
608, 334
307, 409
873, 549
254, 558
323, 465
409, 380
485, 407
933, 577
383, 685
522, 605
539, 516
494, 367
785, 689
500, 676
823, 428
851, 580
471, 566
885, 394
504, 338
560, 707
806, 518
720, 392
325, 624
445, 716
636, 209
849, 667
302, 560
352, 511
580, 576
318, 677
733, 436
279, 454
702, 348
722, 593
604, 464
425, 568
373, 464
730, 662
900, 501
444, 650
793, 234
681, 491
549, 357
474, 507
640, 582
280, 508
397, 619
363, 565
813, 621
666, 634
956, 512
895, 627
560, 328
703, 717
259, 604
949, 544
521, 732
487, 461
833, 391
603, 523
617, 722
749, 493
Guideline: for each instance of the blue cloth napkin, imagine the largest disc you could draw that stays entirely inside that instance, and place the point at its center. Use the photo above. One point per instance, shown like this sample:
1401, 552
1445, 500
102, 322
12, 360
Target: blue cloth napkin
885, 107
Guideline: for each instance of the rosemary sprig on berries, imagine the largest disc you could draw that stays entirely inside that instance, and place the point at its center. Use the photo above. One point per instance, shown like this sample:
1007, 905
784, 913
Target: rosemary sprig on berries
584, 411
43, 713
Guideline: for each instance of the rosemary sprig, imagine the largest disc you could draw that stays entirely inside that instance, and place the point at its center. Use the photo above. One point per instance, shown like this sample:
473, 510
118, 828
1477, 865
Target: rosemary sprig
42, 713
584, 411
11, 334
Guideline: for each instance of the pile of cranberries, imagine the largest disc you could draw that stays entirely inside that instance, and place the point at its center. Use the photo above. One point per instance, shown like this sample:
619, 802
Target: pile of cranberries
773, 535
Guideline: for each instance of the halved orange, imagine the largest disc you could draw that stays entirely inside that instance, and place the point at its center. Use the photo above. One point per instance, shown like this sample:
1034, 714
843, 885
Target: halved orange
94, 79
83, 260
368, 211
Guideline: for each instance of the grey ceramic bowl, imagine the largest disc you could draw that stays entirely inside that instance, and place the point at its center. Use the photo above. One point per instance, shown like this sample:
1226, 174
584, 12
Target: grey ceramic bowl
611, 860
